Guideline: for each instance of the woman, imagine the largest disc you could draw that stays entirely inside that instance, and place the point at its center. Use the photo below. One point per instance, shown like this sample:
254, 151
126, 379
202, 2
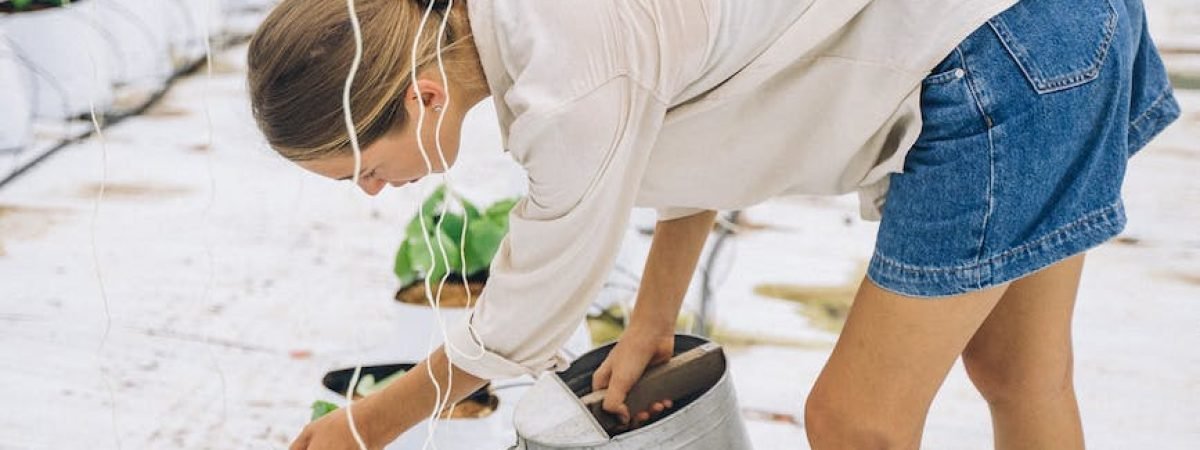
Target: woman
998, 134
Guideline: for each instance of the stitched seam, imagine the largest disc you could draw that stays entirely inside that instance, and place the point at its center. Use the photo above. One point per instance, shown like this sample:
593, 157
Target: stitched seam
941, 77
1152, 109
1084, 221
1071, 80
971, 88
1043, 84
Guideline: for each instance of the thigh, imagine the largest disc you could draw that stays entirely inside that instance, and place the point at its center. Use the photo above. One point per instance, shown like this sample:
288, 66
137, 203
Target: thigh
1029, 331
894, 353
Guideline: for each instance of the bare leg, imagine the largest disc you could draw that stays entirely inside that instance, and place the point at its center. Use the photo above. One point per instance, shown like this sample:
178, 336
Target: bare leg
1022, 363
890, 360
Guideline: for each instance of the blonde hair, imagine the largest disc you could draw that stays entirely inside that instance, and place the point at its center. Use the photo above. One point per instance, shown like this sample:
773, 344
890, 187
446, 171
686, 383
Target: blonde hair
301, 54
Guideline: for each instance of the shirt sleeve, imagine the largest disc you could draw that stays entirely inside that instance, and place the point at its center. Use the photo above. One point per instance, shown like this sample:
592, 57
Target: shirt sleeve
585, 160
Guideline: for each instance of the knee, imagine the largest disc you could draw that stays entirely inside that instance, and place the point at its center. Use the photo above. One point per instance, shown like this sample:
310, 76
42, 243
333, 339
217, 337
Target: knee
1001, 379
835, 424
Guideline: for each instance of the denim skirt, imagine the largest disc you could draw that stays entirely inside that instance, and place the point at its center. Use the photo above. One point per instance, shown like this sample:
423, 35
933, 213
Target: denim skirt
1028, 126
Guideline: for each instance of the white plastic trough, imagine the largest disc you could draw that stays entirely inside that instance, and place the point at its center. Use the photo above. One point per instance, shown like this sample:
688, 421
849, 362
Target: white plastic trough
15, 113
139, 33
67, 57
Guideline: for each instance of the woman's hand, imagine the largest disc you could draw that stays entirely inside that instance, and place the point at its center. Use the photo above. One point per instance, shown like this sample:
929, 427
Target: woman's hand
638, 349
332, 432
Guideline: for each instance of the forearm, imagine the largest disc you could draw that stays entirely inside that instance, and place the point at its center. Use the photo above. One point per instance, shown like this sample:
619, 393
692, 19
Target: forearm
410, 399
673, 255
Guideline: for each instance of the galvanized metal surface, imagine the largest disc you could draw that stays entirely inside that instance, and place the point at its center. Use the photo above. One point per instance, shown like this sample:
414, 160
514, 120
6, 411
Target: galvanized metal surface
710, 422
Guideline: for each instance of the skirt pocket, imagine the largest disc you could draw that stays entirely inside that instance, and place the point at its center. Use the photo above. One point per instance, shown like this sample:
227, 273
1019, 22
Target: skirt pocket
1058, 44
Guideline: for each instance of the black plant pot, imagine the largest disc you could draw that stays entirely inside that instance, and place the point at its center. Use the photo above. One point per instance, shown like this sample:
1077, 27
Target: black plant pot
338, 380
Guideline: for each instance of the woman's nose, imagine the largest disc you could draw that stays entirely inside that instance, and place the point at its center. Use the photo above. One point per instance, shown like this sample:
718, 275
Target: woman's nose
372, 186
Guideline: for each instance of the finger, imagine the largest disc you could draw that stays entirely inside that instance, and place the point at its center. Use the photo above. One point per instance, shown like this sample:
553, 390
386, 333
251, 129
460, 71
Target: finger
658, 407
614, 399
668, 403
600, 377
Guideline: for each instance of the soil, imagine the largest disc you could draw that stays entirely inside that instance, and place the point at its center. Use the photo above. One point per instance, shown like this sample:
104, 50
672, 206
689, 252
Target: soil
454, 295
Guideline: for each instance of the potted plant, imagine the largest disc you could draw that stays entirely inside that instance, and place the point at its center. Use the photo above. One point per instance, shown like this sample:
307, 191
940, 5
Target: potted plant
57, 48
415, 264
480, 404
482, 420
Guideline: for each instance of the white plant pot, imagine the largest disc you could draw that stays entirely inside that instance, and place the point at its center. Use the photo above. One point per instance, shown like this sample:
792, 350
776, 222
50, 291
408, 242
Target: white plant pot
138, 29
15, 113
67, 58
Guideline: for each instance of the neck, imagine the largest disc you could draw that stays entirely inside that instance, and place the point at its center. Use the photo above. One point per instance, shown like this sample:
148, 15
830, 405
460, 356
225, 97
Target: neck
477, 89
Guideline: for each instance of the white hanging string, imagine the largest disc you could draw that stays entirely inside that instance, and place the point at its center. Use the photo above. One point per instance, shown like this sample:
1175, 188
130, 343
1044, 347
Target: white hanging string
442, 399
434, 300
112, 398
353, 134
210, 141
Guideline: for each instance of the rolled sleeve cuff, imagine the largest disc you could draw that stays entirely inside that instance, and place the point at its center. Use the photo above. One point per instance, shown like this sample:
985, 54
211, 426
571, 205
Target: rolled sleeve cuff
467, 354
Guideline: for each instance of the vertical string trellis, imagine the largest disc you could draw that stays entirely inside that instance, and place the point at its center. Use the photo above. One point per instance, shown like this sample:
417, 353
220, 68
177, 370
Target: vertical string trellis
99, 200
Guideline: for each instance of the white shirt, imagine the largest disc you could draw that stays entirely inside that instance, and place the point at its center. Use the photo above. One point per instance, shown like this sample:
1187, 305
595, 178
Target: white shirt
682, 106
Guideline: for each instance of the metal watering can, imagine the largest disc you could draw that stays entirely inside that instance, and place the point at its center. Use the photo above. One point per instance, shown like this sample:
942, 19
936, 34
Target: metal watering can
561, 412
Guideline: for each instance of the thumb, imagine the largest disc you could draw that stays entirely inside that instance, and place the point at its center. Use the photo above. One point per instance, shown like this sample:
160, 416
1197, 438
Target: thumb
600, 376
619, 385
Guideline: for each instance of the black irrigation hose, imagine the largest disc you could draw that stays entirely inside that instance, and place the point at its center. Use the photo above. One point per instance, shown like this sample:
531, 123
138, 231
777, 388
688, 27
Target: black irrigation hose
110, 120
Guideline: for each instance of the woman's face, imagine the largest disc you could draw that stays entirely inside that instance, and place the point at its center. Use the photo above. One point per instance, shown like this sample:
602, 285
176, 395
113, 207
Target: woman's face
395, 158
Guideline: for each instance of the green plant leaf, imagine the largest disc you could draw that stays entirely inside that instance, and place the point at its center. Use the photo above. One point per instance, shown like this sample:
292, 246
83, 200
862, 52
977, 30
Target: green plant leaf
453, 257
431, 266
433, 204
321, 407
482, 242
19, 5
499, 211
470, 208
484, 233
452, 224
404, 268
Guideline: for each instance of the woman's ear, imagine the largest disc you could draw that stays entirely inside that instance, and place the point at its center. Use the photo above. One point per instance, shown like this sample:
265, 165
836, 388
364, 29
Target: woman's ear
432, 94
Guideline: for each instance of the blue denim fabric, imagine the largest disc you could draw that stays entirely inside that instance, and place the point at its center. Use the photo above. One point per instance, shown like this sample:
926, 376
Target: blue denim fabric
1028, 126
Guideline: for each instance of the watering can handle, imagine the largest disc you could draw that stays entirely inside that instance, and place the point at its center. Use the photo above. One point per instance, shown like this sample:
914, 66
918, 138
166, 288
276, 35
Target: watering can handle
685, 374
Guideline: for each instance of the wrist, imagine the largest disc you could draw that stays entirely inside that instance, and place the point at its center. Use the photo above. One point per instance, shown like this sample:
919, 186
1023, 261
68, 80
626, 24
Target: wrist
650, 328
375, 421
